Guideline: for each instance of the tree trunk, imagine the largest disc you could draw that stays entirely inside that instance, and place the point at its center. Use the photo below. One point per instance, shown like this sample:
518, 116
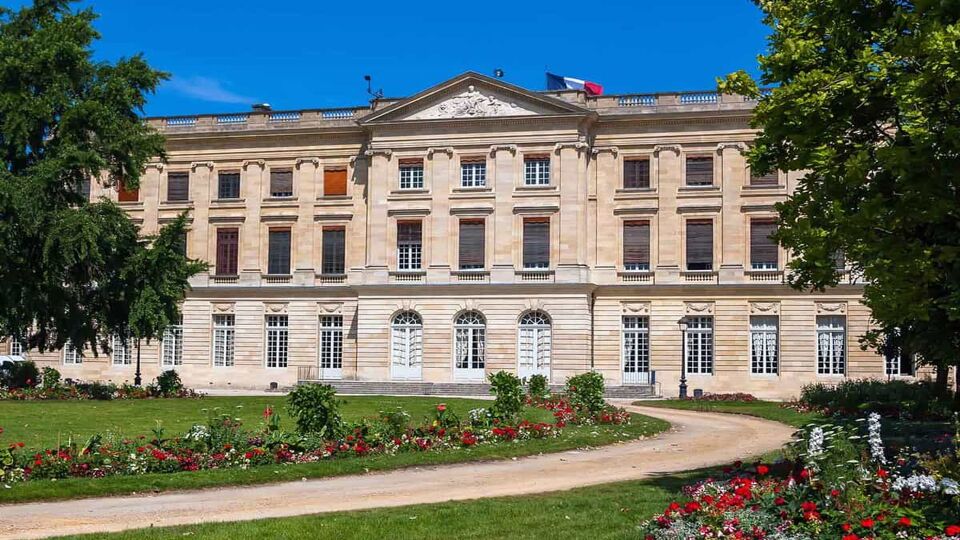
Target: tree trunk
942, 372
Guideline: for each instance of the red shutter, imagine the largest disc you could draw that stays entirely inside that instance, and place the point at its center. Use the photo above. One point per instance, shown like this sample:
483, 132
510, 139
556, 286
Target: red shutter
127, 195
334, 182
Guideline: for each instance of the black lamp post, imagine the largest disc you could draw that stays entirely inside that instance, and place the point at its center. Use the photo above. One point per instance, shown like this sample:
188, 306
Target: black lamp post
682, 323
136, 376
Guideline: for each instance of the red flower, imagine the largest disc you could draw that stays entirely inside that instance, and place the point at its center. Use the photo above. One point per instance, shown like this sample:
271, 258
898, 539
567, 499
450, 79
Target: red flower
804, 474
851, 537
441, 407
779, 501
882, 473
905, 522
808, 506
268, 412
834, 493
868, 523
762, 469
691, 507
953, 530
846, 527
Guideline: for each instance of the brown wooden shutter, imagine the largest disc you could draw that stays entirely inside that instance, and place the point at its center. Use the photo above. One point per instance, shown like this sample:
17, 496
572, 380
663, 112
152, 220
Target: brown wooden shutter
409, 232
227, 241
636, 243
410, 162
772, 178
700, 171
636, 173
178, 186
278, 252
700, 245
281, 183
334, 182
763, 248
536, 243
473, 159
333, 250
228, 185
127, 195
472, 244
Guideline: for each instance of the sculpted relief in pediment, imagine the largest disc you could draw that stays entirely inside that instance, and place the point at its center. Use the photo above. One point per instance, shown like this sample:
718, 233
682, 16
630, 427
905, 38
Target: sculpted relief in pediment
471, 104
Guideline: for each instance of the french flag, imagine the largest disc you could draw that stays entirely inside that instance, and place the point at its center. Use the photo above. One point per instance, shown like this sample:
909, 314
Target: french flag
557, 82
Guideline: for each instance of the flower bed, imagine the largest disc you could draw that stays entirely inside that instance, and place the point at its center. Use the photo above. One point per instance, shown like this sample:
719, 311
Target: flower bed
223, 442
835, 485
908, 400
49, 387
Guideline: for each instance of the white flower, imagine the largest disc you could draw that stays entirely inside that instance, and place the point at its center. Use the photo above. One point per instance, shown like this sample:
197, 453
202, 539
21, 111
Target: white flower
876, 443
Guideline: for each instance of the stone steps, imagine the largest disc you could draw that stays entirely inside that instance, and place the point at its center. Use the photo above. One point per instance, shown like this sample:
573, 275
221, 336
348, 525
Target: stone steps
396, 388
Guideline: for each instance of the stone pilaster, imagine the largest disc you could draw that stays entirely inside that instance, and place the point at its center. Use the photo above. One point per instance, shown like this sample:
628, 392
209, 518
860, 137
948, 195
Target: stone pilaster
439, 161
306, 173
731, 223
203, 239
669, 225
378, 187
505, 167
573, 205
605, 162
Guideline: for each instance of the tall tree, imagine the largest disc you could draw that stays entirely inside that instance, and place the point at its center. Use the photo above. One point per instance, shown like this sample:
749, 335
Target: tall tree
73, 269
866, 100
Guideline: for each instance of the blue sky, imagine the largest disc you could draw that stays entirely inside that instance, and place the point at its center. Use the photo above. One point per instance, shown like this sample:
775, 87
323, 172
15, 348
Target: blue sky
225, 55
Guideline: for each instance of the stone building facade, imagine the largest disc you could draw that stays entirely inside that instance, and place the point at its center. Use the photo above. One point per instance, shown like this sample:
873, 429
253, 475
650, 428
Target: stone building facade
479, 226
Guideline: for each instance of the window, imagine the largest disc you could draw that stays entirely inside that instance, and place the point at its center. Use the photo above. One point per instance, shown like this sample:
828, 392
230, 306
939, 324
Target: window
636, 246
227, 240
699, 341
411, 174
331, 342
228, 185
181, 244
409, 245
772, 178
536, 243
334, 250
334, 182
224, 333
831, 345
764, 252
536, 171
472, 244
470, 340
278, 253
121, 352
71, 356
406, 344
16, 347
278, 340
636, 349
178, 186
763, 345
473, 172
897, 361
171, 353
85, 187
636, 173
700, 244
700, 171
534, 344
127, 195
281, 183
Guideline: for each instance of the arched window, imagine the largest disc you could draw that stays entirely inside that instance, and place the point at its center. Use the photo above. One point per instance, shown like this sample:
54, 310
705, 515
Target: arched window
534, 344
470, 336
406, 337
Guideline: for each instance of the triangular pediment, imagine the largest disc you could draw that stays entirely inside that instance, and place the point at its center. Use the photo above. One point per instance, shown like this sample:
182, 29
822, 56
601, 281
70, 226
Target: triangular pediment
470, 96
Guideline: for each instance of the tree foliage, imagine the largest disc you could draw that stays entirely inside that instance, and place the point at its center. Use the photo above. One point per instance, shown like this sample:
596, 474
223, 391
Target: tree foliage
72, 268
866, 100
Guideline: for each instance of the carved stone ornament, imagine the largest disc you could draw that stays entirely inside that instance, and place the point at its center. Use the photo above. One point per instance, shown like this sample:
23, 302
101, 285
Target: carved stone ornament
635, 308
471, 104
764, 308
223, 307
195, 164
258, 162
158, 165
612, 149
742, 147
374, 151
578, 146
331, 308
533, 304
675, 148
275, 307
512, 148
448, 150
302, 160
831, 308
698, 308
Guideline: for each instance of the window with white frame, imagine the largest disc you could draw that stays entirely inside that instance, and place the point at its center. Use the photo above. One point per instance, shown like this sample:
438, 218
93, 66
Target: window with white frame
897, 361
224, 336
831, 344
16, 347
470, 337
409, 245
536, 171
278, 341
535, 343
473, 173
121, 352
406, 332
764, 358
171, 349
411, 174
331, 342
71, 356
636, 348
699, 341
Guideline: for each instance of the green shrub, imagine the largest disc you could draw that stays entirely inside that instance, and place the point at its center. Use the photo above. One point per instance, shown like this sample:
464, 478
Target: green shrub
537, 387
896, 398
396, 421
586, 391
19, 375
168, 384
509, 396
316, 410
50, 378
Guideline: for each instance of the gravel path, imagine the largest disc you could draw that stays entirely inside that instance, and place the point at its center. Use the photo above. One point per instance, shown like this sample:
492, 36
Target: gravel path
695, 440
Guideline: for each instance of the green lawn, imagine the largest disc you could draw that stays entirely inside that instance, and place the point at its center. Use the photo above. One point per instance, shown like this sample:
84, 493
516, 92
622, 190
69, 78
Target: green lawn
770, 410
134, 417
600, 512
